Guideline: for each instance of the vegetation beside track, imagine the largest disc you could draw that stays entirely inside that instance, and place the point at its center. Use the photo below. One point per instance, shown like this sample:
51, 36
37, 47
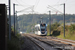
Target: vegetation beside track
14, 43
57, 31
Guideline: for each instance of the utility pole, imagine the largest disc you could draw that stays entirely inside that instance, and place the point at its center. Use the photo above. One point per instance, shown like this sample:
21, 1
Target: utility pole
16, 23
14, 16
33, 18
41, 19
50, 20
9, 20
64, 19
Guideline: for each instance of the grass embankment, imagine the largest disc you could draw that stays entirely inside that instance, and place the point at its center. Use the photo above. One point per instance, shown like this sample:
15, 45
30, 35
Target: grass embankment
69, 32
58, 32
14, 43
67, 36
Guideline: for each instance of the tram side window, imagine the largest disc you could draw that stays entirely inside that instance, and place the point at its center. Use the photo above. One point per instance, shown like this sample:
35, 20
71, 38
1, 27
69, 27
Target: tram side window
37, 29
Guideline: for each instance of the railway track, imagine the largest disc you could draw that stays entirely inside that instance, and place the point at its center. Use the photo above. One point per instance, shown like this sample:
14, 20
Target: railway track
35, 43
65, 41
29, 41
56, 42
41, 44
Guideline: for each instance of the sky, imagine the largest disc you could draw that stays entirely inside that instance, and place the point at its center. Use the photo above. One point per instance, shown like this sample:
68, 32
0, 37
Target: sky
42, 6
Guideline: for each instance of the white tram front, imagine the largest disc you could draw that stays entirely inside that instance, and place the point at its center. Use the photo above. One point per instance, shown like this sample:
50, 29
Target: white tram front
41, 29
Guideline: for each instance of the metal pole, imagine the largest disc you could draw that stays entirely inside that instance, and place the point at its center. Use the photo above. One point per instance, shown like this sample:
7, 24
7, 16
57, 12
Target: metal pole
14, 16
41, 19
33, 19
50, 20
9, 21
16, 22
64, 19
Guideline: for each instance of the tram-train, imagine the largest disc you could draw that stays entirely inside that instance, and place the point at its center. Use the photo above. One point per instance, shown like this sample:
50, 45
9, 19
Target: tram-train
41, 29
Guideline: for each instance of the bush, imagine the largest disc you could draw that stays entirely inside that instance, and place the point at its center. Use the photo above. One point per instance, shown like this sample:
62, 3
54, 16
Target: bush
14, 43
53, 27
72, 28
56, 33
66, 28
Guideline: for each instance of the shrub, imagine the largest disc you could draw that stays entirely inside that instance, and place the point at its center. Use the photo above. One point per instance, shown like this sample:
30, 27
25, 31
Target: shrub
72, 28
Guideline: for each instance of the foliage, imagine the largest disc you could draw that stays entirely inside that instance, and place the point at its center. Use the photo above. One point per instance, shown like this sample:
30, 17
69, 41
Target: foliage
72, 28
69, 32
66, 28
13, 44
56, 33
54, 26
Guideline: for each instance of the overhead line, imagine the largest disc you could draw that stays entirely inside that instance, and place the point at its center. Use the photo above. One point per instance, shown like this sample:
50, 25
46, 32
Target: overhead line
24, 9
58, 2
24, 2
54, 9
21, 4
36, 3
18, 2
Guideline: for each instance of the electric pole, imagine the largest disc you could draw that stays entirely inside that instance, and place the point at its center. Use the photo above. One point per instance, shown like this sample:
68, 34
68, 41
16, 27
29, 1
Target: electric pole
9, 20
16, 22
14, 16
50, 20
41, 19
64, 19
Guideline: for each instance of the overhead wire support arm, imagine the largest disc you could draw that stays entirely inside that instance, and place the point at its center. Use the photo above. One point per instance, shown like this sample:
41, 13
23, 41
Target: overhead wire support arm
24, 9
50, 7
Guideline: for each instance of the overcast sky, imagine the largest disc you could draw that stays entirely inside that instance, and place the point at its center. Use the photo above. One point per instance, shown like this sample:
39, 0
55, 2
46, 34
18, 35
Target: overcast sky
41, 6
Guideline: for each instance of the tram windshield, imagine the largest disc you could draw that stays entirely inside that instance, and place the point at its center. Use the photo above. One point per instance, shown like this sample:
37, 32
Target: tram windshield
42, 26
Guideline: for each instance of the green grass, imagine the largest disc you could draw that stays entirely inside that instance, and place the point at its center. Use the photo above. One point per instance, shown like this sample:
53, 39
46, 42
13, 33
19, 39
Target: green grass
48, 34
59, 33
14, 43
67, 36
